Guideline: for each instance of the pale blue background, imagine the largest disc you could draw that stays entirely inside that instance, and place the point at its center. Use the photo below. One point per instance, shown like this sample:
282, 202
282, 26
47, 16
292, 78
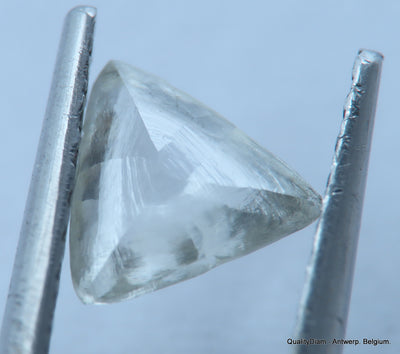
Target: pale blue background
280, 71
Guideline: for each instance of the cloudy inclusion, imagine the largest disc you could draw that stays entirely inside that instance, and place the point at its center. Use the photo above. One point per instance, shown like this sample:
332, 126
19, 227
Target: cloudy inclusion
167, 189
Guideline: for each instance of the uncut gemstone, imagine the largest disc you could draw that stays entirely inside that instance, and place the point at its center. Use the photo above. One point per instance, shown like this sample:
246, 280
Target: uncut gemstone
167, 189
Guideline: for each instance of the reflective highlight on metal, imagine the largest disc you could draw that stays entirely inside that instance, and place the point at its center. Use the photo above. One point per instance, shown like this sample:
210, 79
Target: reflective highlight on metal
34, 284
324, 307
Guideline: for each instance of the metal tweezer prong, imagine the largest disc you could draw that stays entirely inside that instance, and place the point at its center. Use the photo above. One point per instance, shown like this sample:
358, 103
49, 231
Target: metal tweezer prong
325, 304
34, 284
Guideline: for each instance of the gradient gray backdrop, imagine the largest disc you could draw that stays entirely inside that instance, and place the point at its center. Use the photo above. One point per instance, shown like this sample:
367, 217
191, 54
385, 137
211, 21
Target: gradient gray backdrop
278, 70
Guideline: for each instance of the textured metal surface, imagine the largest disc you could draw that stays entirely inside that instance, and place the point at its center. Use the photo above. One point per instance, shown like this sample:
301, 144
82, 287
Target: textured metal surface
325, 303
34, 284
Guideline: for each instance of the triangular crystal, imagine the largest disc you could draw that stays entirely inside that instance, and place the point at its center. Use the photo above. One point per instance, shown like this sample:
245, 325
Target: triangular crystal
167, 189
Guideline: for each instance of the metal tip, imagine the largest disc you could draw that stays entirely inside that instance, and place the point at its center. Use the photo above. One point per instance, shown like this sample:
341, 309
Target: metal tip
88, 10
366, 61
370, 55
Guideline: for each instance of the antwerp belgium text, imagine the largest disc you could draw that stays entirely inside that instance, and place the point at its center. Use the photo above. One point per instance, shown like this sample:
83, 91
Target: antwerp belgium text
315, 341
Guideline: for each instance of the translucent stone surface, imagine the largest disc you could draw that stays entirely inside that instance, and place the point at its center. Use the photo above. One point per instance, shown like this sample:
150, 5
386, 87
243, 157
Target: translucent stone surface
167, 189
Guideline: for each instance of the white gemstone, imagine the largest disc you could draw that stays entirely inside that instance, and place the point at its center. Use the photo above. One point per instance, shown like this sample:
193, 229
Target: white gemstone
167, 189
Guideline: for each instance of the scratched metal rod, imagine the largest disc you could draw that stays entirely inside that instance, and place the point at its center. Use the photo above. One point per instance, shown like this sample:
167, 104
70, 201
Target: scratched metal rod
324, 306
34, 284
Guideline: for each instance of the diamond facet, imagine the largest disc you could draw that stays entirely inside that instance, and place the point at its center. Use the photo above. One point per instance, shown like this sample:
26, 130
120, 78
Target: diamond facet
167, 189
